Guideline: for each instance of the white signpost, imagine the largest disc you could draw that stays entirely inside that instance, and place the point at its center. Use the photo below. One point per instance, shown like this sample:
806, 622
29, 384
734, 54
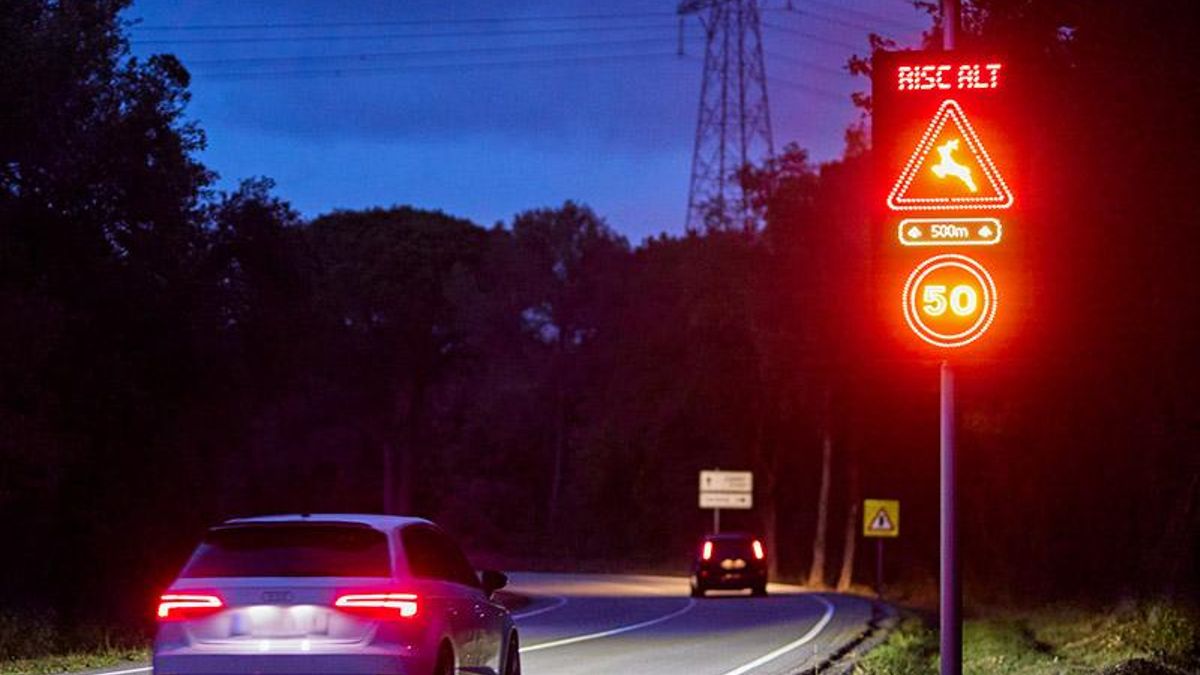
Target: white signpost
725, 490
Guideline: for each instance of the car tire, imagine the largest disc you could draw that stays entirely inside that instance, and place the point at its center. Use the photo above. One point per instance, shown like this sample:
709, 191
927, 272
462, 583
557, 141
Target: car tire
759, 591
445, 660
512, 663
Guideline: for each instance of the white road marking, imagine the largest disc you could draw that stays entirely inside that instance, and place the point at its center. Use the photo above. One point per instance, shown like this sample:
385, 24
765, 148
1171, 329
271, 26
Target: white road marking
126, 672
610, 632
803, 640
559, 602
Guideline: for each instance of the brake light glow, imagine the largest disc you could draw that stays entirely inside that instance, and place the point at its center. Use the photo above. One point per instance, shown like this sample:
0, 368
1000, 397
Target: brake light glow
379, 605
706, 554
180, 606
758, 550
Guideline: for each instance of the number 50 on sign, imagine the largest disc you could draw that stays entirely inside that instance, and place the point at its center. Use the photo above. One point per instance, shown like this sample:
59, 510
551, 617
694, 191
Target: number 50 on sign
949, 300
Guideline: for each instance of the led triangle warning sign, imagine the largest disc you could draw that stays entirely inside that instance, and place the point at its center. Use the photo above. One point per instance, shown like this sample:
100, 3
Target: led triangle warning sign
950, 169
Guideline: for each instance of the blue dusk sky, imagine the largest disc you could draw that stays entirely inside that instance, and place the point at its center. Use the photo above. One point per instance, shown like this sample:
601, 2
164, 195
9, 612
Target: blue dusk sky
483, 109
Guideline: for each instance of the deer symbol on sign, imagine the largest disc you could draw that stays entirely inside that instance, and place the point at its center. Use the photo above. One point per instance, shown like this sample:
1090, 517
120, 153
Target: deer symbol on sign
949, 167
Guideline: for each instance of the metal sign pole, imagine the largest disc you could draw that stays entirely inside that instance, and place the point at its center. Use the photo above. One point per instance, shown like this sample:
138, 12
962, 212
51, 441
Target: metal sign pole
716, 521
951, 587
879, 568
949, 24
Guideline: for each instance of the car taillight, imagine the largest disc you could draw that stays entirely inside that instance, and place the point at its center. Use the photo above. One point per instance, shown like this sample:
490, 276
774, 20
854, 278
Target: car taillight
758, 550
379, 605
181, 606
706, 553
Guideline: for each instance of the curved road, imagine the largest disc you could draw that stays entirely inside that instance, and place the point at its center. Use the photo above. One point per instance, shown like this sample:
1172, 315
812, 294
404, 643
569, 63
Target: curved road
581, 624
577, 624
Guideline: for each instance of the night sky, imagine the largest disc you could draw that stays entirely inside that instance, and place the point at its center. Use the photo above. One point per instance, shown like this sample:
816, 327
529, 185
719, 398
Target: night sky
483, 109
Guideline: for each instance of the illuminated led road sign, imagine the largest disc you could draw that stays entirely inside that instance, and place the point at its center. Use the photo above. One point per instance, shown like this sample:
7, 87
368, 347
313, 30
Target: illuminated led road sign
940, 121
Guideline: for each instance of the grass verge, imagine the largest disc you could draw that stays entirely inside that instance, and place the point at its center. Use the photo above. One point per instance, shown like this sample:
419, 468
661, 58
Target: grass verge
1149, 639
75, 661
33, 643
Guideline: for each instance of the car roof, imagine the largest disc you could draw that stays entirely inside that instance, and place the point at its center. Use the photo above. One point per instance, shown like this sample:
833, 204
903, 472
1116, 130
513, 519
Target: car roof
377, 521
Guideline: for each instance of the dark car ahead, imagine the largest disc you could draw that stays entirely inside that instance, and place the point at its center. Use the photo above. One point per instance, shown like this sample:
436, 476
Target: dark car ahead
730, 561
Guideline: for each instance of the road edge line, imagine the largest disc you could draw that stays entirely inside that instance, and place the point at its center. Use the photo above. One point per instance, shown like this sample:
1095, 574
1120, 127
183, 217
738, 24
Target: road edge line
795, 644
560, 602
610, 632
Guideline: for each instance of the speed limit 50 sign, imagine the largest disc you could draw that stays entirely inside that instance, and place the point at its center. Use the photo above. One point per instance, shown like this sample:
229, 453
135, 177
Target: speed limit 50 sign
949, 300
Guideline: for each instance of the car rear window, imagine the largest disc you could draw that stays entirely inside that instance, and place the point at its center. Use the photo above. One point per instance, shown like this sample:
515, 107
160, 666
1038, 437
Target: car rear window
291, 550
731, 548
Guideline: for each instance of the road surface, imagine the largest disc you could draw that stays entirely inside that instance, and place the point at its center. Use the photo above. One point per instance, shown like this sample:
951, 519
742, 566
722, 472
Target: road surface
581, 624
603, 624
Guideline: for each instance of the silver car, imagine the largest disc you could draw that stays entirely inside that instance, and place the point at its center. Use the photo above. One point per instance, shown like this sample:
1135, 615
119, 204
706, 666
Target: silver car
331, 593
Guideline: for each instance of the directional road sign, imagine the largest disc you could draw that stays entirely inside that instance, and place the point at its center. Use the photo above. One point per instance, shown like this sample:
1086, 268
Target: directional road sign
726, 490
726, 500
726, 481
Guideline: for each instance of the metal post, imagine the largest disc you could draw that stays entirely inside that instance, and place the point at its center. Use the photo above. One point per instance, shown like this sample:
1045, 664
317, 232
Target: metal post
951, 584
950, 21
716, 521
389, 479
879, 568
951, 587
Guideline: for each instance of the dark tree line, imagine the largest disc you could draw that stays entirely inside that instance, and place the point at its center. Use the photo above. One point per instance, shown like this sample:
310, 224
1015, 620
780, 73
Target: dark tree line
171, 356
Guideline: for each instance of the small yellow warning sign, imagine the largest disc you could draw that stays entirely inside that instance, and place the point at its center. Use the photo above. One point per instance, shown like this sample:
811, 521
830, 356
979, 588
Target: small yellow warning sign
881, 518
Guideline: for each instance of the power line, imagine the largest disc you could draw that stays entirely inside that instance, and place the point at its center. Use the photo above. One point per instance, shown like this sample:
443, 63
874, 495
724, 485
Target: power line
383, 70
826, 93
869, 16
809, 89
371, 56
807, 64
811, 36
407, 22
845, 23
367, 56
398, 36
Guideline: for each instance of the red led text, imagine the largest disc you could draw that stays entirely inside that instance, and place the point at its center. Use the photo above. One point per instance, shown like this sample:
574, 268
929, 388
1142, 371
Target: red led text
948, 77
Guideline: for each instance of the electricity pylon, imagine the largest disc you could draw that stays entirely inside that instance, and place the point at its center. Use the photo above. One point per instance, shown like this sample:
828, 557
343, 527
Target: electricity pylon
733, 128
